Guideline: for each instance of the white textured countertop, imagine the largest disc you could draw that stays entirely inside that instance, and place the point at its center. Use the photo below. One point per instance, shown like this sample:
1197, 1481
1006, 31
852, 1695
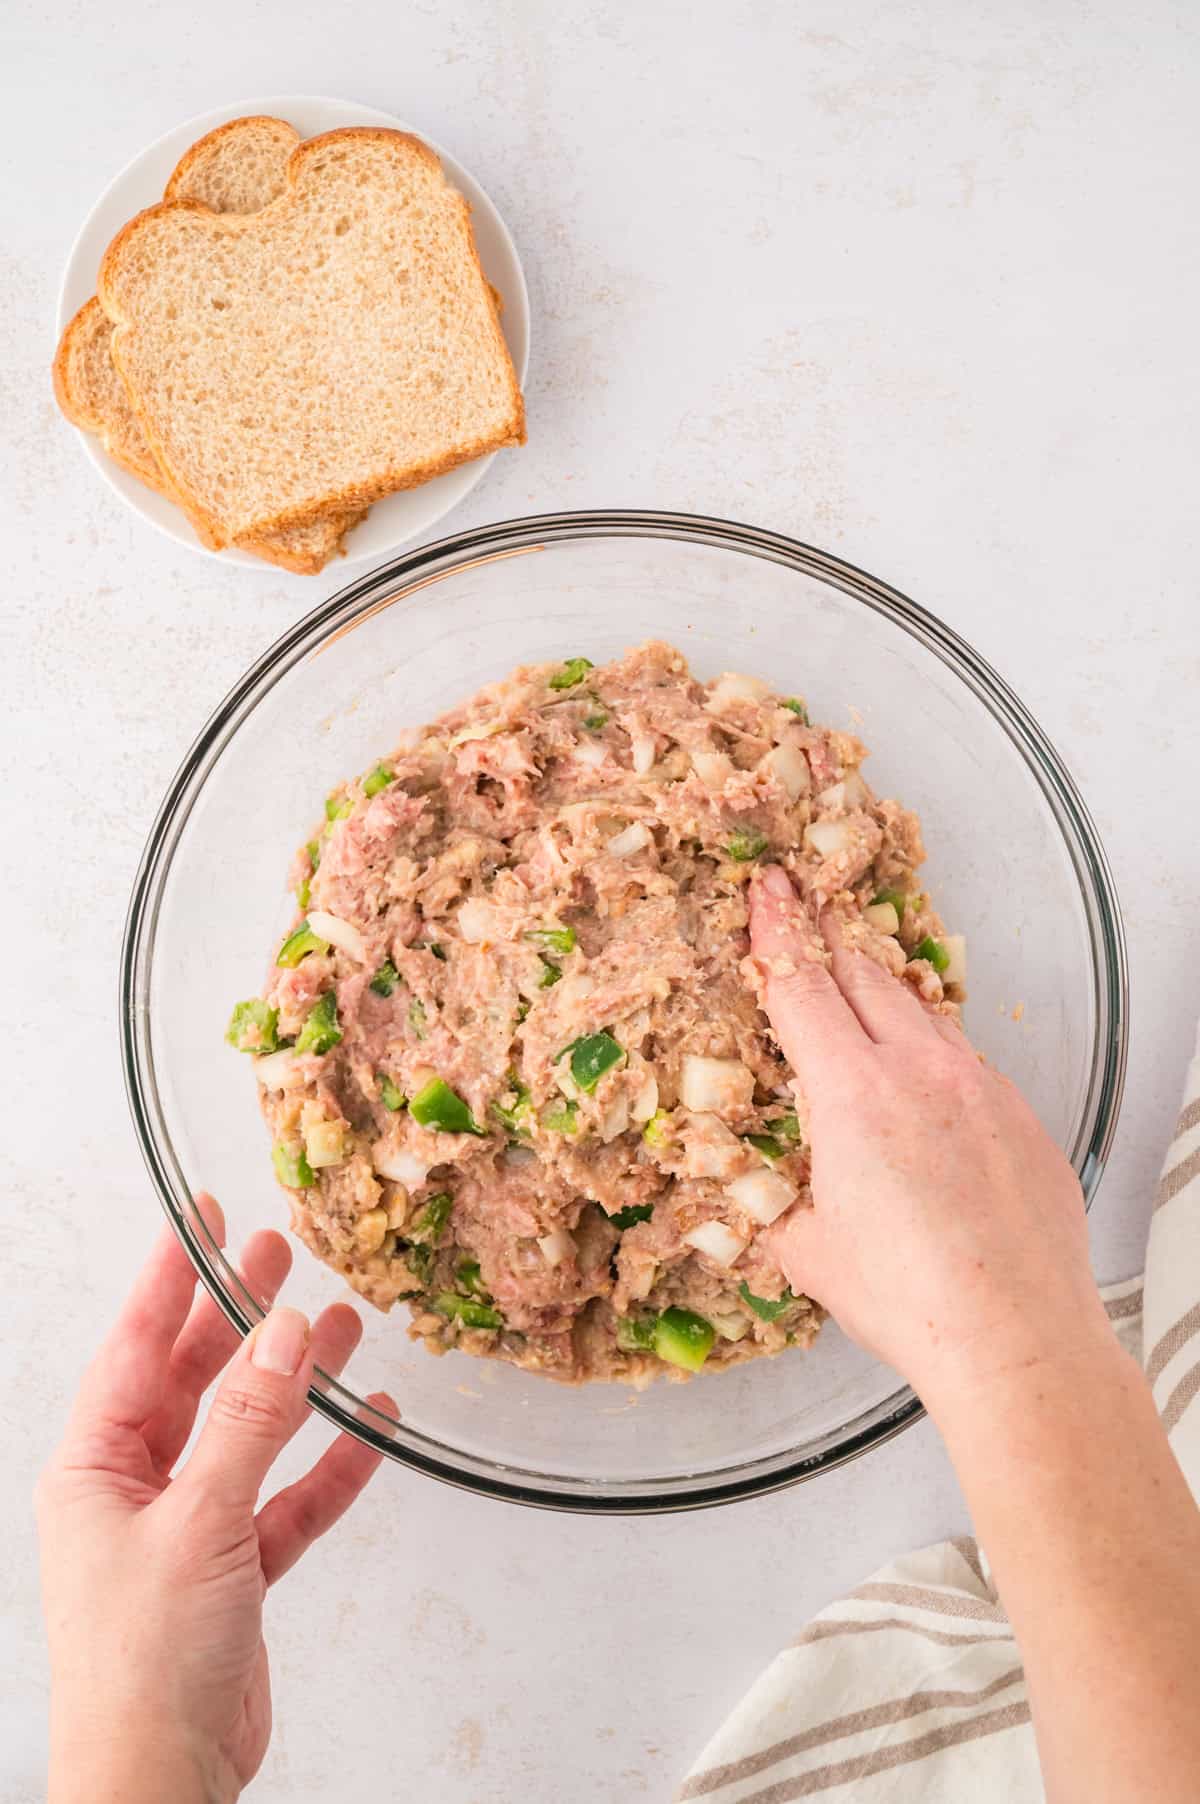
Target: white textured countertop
915, 282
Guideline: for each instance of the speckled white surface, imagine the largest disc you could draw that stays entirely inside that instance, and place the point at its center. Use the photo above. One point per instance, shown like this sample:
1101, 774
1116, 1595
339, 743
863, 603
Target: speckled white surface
915, 281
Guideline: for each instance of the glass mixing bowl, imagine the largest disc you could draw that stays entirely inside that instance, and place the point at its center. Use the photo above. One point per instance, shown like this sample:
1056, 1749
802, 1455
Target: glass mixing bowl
1014, 863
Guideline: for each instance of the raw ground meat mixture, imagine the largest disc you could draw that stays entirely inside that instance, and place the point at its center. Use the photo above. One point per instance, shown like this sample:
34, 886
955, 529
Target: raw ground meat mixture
512, 1055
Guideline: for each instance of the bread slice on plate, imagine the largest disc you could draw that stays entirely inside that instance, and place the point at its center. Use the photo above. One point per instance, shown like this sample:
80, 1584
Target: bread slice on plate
237, 168
334, 347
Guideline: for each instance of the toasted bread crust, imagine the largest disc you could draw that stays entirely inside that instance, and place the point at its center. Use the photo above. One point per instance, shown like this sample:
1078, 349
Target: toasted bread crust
352, 493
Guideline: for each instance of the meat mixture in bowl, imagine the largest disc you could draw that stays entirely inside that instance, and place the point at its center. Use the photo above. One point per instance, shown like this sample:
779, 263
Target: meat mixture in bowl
511, 1054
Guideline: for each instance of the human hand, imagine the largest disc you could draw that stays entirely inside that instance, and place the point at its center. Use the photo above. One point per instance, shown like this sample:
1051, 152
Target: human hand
153, 1584
947, 1233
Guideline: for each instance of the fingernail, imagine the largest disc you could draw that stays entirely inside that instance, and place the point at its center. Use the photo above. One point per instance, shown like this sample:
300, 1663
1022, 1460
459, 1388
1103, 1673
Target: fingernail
280, 1342
386, 1417
777, 883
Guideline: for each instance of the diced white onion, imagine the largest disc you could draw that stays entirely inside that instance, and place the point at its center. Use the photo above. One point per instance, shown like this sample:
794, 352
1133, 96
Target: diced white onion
828, 838
398, 1164
882, 917
324, 1143
644, 1101
731, 1326
484, 730
528, 977
339, 933
714, 769
717, 1240
575, 988
478, 921
634, 838
277, 1071
762, 1195
642, 748
519, 1155
409, 738
849, 792
956, 949
591, 753
556, 1246
733, 687
709, 1149
640, 1277
565, 1083
616, 1118
788, 765
714, 1086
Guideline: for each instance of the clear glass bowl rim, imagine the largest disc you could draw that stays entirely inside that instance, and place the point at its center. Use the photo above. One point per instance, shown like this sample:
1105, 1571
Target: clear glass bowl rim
401, 577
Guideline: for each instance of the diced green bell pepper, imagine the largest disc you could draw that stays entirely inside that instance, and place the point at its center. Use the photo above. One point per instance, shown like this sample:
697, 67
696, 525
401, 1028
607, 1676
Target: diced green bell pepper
591, 1057
934, 951
766, 1144
321, 1031
572, 672
470, 1279
769, 1309
385, 979
554, 939
683, 1338
515, 1117
291, 1166
631, 1215
743, 847
466, 1310
426, 1228
656, 1132
635, 1333
298, 944
390, 1095
419, 1260
560, 1119
379, 779
253, 1027
438, 1106
304, 887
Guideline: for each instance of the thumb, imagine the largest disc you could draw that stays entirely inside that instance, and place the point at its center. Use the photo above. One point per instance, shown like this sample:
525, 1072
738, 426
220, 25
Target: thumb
797, 1244
259, 1405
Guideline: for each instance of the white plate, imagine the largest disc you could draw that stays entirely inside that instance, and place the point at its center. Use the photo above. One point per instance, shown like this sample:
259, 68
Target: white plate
397, 518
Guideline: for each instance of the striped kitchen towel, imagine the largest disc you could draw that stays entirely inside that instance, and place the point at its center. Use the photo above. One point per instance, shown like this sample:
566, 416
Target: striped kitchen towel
912, 1687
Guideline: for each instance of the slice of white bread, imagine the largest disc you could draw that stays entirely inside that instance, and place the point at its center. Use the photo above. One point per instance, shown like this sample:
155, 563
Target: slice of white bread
93, 397
338, 345
237, 168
